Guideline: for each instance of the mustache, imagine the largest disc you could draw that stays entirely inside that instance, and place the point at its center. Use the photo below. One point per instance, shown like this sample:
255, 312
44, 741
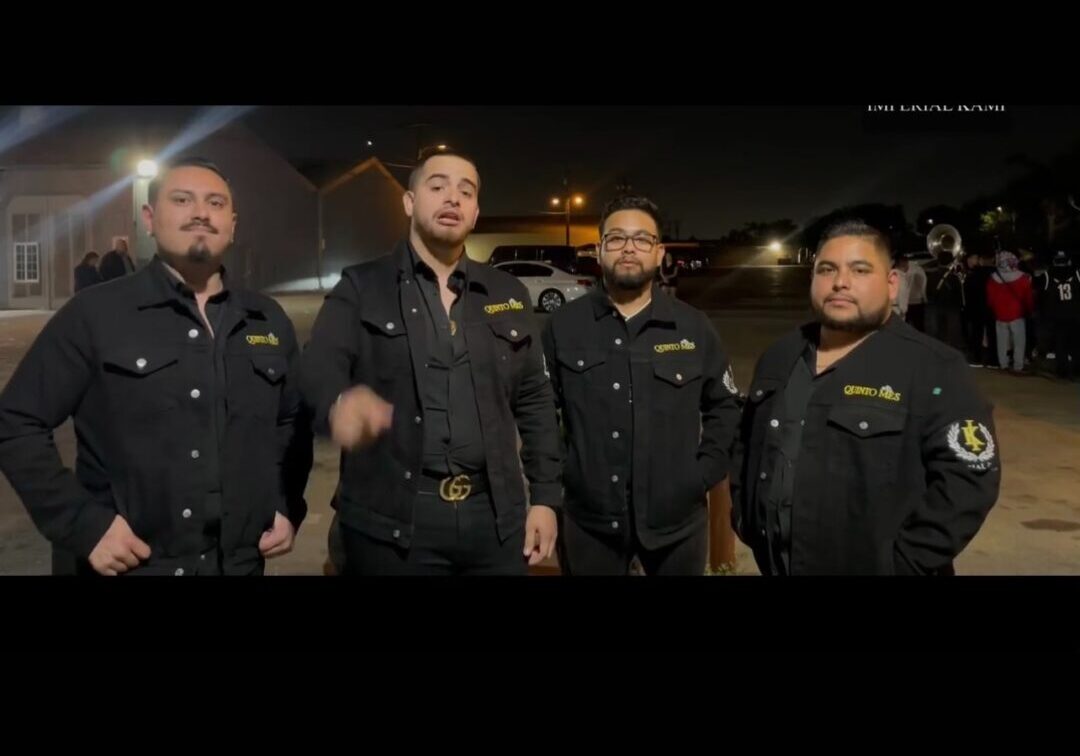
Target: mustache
197, 225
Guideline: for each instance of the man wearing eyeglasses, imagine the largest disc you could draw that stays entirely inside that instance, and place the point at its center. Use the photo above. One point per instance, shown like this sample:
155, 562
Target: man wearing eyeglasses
649, 408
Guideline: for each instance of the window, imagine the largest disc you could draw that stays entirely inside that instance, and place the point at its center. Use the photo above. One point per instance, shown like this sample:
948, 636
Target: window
27, 262
533, 270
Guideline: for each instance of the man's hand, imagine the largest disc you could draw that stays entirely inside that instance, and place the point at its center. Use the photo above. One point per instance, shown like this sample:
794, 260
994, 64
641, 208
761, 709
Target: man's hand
358, 417
541, 531
119, 550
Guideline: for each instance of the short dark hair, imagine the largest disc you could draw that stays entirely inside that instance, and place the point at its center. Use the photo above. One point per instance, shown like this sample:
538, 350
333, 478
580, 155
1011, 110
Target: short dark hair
434, 152
187, 162
631, 202
861, 228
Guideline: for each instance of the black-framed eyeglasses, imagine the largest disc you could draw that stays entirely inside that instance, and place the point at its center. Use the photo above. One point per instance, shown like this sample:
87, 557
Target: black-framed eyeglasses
616, 242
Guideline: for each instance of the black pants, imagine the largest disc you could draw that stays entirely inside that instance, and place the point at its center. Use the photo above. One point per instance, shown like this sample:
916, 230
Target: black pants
447, 540
1066, 343
335, 545
63, 562
583, 552
976, 325
946, 325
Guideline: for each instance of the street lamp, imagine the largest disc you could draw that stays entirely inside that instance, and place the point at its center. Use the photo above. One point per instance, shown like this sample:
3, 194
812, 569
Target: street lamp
775, 246
575, 200
141, 246
147, 169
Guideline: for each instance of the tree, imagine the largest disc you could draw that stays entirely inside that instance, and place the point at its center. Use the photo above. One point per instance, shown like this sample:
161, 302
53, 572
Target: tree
890, 219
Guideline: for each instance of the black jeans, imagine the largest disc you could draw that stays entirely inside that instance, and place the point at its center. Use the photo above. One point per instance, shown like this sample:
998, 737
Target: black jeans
1066, 343
946, 325
583, 552
976, 325
447, 540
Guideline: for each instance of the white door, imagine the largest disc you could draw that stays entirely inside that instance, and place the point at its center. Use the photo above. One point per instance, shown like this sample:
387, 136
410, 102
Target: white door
47, 238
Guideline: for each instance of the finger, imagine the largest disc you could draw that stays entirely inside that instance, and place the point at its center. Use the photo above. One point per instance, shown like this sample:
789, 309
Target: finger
385, 415
282, 524
547, 544
277, 551
140, 548
530, 541
128, 558
269, 541
102, 567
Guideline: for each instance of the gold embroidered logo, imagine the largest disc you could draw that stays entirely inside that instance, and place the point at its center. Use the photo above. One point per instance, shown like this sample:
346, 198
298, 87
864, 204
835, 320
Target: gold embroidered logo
513, 304
885, 392
971, 440
269, 339
977, 448
686, 345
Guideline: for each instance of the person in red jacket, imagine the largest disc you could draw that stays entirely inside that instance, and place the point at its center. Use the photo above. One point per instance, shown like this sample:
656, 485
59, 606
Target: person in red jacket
1011, 299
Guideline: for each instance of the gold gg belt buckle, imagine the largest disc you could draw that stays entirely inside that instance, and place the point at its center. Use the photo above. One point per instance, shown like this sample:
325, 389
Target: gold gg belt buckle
455, 489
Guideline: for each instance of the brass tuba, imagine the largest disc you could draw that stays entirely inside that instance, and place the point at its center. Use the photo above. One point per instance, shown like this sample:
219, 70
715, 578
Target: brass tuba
944, 238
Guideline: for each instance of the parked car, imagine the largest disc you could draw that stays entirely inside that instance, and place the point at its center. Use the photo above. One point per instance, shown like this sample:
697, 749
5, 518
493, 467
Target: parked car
549, 288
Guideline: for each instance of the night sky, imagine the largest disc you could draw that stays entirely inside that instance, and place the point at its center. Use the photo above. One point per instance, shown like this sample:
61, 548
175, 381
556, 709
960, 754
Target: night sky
709, 168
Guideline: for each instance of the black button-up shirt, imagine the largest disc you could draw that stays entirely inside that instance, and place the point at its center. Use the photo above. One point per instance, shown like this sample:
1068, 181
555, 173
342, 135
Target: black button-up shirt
452, 438
785, 440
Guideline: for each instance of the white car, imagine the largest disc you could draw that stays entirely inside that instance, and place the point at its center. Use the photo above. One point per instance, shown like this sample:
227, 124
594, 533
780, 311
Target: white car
549, 288
923, 259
